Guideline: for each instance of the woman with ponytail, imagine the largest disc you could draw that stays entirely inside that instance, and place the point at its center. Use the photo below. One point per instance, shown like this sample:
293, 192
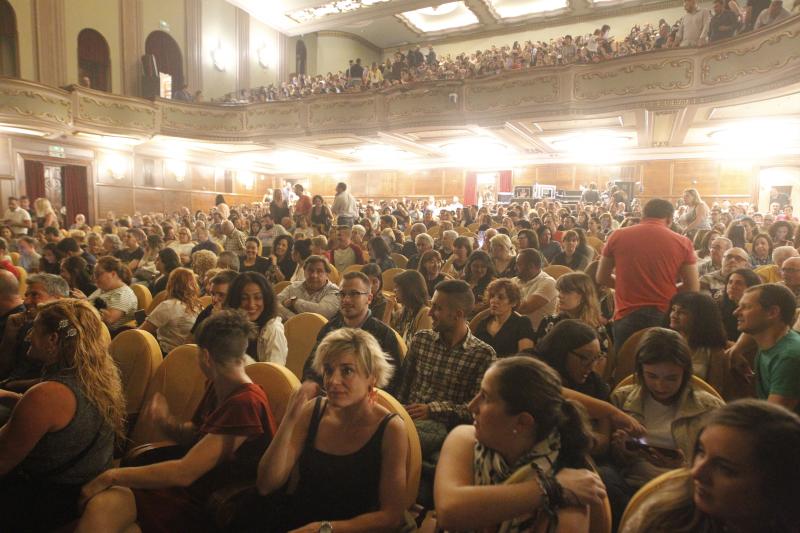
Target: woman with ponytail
61, 431
522, 464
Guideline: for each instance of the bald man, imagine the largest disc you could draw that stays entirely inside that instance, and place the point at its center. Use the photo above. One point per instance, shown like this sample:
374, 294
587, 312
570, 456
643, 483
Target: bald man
772, 273
790, 270
713, 283
234, 239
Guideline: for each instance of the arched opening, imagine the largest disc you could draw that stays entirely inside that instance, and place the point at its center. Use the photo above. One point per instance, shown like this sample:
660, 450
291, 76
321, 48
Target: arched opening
300, 57
94, 60
168, 57
9, 59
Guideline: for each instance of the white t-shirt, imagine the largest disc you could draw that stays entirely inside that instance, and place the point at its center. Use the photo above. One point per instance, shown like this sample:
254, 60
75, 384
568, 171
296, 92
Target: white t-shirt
123, 299
343, 258
658, 421
18, 216
542, 285
174, 323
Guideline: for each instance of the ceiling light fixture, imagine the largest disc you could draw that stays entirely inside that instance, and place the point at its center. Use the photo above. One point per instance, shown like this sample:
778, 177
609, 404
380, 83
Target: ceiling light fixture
506, 9
757, 137
449, 16
22, 131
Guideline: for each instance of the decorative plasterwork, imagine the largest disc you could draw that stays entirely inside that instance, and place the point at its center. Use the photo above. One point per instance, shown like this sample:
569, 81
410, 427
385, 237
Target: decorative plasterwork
129, 115
337, 7
418, 103
775, 52
665, 75
36, 102
283, 117
511, 93
200, 119
328, 114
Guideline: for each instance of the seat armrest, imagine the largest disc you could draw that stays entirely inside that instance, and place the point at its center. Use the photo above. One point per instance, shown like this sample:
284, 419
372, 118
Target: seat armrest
154, 452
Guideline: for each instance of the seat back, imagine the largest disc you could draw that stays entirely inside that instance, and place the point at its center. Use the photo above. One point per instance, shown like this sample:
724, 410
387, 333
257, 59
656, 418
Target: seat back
401, 344
351, 268
280, 286
23, 276
399, 259
388, 278
157, 299
205, 301
653, 486
14, 258
334, 276
138, 356
477, 319
182, 383
143, 296
596, 244
698, 384
414, 458
625, 358
278, 382
423, 319
301, 332
556, 271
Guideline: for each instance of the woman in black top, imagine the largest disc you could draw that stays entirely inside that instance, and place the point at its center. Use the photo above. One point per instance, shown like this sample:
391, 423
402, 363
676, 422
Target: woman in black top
166, 261
321, 215
504, 329
736, 283
380, 254
251, 261
378, 304
479, 272
282, 258
75, 272
430, 266
278, 207
572, 255
50, 263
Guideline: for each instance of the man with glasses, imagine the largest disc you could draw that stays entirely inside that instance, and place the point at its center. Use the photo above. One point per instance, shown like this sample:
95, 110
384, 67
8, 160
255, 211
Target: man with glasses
354, 313
713, 283
718, 247
790, 270
315, 294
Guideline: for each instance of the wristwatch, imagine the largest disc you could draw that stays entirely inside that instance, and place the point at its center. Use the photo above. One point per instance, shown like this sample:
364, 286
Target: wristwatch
326, 527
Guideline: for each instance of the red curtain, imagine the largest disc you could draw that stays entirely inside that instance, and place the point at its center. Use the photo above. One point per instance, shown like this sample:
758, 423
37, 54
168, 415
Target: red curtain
504, 181
34, 180
76, 194
471, 189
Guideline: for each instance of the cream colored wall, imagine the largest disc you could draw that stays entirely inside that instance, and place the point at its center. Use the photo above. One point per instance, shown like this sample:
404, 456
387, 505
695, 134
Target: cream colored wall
311, 54
23, 11
99, 15
262, 36
334, 52
219, 28
170, 11
620, 26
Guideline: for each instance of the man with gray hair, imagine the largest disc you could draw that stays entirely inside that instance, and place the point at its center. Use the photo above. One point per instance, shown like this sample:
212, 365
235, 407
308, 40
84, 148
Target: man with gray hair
718, 247
18, 371
446, 243
713, 283
234, 239
410, 246
772, 273
424, 244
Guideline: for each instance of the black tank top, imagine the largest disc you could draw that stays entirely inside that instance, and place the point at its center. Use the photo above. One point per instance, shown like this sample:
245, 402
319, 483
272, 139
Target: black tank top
337, 487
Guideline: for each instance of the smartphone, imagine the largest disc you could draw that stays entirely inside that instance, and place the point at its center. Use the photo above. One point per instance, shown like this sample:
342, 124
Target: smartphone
641, 444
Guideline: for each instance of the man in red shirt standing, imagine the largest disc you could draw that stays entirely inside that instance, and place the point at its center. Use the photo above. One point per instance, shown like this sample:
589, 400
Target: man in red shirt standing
646, 260
302, 208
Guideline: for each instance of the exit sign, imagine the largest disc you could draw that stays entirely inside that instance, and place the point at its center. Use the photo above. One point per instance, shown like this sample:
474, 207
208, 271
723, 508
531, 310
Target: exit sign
56, 151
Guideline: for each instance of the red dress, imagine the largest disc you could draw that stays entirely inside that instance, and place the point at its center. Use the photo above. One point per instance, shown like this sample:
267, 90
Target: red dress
246, 412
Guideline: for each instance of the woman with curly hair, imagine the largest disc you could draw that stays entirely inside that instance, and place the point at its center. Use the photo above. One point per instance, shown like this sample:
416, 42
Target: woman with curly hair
762, 250
61, 431
782, 233
172, 320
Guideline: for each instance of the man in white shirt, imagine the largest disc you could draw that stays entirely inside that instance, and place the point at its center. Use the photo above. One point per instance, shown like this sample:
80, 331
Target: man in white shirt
694, 26
314, 295
539, 293
17, 218
344, 206
773, 14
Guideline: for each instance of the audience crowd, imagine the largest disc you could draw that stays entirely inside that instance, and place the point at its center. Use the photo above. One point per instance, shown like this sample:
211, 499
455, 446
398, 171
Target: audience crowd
549, 355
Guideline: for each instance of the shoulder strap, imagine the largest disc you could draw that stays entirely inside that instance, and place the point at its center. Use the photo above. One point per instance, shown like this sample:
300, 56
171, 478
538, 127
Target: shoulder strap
313, 426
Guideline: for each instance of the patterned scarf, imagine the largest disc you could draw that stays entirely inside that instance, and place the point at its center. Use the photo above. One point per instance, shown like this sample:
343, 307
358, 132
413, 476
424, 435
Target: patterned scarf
491, 469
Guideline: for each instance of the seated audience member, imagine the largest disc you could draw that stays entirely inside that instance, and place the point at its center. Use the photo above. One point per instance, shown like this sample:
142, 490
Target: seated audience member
61, 431
69, 247
547, 245
202, 262
204, 242
526, 238
766, 314
523, 427
53, 234
424, 243
28, 257
172, 320
577, 298
50, 261
315, 294
344, 252
411, 295
228, 261
446, 243
133, 253
229, 431
166, 261
430, 266
735, 285
782, 233
790, 271
146, 270
300, 252
718, 247
354, 313
503, 328
672, 411
10, 301
503, 258
572, 255
713, 283
479, 273
252, 293
75, 272
184, 245
456, 263
538, 289
218, 290
743, 477
281, 258
251, 261
112, 245
325, 439
18, 372
697, 318
380, 254
379, 303
762, 250
772, 273
114, 299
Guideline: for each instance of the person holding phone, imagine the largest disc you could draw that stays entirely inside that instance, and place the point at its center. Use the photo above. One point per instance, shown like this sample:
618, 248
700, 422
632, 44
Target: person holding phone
664, 401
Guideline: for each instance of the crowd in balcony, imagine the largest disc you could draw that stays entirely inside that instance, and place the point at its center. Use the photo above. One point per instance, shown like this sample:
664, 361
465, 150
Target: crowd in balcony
698, 27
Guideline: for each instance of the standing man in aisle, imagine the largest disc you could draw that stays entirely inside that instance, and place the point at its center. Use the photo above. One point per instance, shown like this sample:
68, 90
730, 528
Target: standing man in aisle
344, 208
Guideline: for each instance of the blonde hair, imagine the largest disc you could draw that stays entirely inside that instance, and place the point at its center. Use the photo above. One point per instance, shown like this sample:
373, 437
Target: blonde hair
182, 286
203, 261
581, 283
83, 347
42, 206
503, 240
370, 358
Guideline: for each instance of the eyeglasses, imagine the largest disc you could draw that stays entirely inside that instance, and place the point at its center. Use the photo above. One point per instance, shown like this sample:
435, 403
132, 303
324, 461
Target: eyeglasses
352, 294
587, 360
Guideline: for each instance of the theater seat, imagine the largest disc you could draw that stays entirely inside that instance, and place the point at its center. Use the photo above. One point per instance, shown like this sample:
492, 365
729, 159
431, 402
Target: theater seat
143, 296
473, 324
351, 268
401, 344
138, 356
182, 383
280, 286
414, 459
23, 276
334, 276
388, 278
278, 382
556, 271
697, 384
399, 259
654, 485
157, 299
301, 332
624, 362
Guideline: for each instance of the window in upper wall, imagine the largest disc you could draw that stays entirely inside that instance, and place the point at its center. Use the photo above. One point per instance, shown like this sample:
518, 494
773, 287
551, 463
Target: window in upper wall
94, 61
509, 9
9, 58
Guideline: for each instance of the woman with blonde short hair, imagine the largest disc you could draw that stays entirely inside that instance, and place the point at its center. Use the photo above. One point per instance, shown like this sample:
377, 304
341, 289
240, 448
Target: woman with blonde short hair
503, 256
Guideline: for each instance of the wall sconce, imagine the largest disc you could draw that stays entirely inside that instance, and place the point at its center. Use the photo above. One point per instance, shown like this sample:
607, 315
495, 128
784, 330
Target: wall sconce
220, 57
177, 169
263, 56
246, 178
115, 166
